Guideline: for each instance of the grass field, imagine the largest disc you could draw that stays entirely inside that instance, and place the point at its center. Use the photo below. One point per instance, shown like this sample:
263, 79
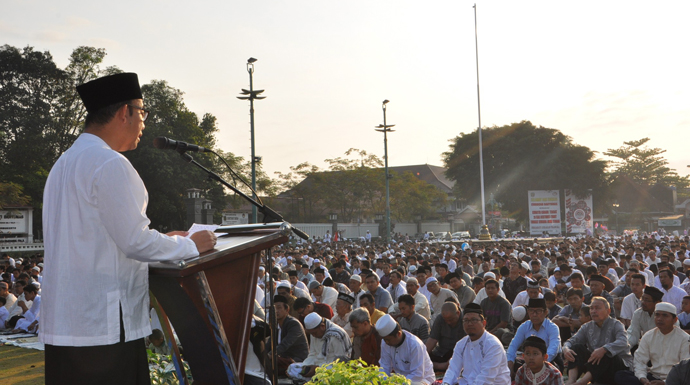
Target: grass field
21, 366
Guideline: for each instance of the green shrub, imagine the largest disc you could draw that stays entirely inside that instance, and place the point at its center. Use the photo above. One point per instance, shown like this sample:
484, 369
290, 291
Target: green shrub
354, 372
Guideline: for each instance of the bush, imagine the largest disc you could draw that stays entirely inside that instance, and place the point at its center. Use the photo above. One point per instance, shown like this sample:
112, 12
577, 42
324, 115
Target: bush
162, 369
354, 372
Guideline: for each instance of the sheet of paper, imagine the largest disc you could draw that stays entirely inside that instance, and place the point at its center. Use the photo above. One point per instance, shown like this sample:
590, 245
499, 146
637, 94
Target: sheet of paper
196, 227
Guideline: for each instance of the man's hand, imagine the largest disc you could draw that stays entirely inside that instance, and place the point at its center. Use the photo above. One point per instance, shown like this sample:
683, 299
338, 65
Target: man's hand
569, 354
511, 366
22, 305
204, 240
597, 355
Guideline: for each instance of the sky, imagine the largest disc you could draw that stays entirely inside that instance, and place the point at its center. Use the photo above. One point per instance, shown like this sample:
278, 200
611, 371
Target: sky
601, 72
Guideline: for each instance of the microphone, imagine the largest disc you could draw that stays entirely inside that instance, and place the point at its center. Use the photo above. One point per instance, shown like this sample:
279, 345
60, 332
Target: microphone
164, 143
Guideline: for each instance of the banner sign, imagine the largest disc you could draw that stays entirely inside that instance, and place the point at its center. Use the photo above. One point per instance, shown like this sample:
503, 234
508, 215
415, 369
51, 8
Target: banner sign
544, 212
235, 219
578, 214
14, 222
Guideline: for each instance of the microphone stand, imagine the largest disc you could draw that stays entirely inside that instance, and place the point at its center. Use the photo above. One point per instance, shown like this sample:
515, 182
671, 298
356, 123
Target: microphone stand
269, 214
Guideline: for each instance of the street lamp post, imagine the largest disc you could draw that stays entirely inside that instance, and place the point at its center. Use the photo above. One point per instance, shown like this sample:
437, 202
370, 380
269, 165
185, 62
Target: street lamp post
250, 95
385, 128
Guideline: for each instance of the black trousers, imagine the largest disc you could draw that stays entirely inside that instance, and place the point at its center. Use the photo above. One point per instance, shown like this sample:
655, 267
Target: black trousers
120, 363
604, 372
626, 377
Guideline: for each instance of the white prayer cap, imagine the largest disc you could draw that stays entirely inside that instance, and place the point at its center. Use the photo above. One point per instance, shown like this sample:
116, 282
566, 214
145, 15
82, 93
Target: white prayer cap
662, 306
429, 280
313, 285
317, 260
518, 313
312, 321
556, 269
525, 265
289, 257
489, 275
261, 268
413, 268
284, 284
385, 325
412, 280
686, 262
356, 277
521, 255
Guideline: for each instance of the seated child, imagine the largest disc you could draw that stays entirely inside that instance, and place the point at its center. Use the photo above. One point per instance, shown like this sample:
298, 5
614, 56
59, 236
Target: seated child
4, 314
551, 305
684, 317
584, 315
537, 369
157, 343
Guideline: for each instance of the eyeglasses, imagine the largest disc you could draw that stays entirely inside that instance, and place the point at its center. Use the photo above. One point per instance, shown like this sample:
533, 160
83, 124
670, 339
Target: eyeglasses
470, 321
145, 113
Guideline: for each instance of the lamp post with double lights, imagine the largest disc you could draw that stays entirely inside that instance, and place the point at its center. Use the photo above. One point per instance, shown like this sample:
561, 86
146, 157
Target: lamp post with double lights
250, 95
385, 128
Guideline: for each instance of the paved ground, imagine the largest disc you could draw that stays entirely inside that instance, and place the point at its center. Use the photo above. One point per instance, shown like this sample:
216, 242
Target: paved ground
21, 366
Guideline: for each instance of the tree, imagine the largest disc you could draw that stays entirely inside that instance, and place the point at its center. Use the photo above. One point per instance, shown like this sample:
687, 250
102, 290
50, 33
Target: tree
645, 165
165, 175
29, 90
520, 157
11, 194
355, 189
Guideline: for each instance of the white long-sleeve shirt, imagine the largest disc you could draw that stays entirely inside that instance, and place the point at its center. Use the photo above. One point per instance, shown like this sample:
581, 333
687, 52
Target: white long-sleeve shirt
663, 350
478, 362
97, 242
410, 359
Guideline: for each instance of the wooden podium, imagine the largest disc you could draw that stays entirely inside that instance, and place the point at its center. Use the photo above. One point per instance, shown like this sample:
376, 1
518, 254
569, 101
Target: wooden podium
210, 299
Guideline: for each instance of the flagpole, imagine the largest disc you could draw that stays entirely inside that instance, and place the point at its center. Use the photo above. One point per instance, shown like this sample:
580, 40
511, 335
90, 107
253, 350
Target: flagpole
479, 115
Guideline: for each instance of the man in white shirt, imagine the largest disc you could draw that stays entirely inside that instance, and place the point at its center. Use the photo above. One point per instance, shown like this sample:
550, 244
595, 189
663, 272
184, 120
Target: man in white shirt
5, 293
97, 235
396, 288
663, 346
403, 353
632, 301
478, 358
672, 294
323, 294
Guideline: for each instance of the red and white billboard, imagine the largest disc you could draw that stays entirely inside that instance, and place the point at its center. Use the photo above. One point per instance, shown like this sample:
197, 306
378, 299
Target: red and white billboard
578, 214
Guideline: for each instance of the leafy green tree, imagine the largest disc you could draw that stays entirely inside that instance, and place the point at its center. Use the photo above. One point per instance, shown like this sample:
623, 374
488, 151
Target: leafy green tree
29, 84
11, 194
165, 175
355, 188
520, 157
645, 165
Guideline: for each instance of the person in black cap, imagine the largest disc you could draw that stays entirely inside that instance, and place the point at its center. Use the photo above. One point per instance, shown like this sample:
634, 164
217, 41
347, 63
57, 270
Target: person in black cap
479, 356
343, 309
538, 325
97, 245
598, 285
537, 369
643, 318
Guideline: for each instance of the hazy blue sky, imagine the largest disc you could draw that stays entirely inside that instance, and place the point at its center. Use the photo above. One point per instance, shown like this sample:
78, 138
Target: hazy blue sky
601, 72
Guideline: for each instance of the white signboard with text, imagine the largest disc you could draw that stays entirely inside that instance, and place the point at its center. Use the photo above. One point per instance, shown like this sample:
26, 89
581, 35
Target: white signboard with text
235, 219
13, 222
544, 212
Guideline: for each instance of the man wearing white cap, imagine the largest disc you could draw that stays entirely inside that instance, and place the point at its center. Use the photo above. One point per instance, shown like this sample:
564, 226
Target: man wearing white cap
327, 342
356, 289
663, 346
403, 353
438, 297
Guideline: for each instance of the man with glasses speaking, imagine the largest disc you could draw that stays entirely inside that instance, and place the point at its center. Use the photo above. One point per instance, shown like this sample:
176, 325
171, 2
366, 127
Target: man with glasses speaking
95, 307
478, 358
